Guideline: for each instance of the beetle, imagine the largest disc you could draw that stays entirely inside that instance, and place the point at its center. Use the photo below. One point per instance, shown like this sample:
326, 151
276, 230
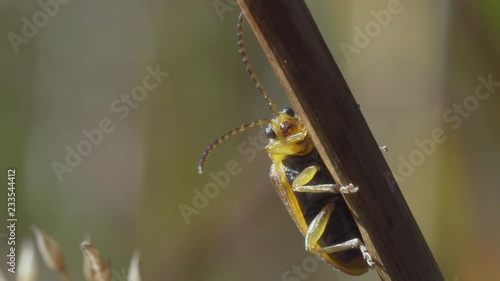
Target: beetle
304, 184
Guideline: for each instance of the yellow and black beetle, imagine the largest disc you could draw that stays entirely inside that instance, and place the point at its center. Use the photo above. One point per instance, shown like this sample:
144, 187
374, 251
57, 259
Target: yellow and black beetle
304, 185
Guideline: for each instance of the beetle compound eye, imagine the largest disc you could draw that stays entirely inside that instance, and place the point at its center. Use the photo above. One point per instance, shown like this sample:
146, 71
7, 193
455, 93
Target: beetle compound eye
288, 111
270, 133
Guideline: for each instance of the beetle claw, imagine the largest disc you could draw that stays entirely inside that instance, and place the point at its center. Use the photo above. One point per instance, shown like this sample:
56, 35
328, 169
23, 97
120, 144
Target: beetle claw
366, 255
350, 188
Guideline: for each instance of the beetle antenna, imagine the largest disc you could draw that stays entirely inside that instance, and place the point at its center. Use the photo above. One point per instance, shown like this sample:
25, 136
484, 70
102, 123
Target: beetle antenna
250, 70
224, 137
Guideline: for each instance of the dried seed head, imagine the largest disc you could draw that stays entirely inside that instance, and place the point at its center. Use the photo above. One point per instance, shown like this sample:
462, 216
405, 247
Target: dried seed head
95, 267
50, 251
135, 270
28, 268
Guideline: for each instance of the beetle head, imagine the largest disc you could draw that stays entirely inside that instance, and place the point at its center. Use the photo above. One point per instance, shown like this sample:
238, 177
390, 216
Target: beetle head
283, 125
287, 135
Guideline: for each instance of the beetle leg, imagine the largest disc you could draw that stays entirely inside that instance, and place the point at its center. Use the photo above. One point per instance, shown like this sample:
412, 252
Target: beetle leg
299, 184
316, 229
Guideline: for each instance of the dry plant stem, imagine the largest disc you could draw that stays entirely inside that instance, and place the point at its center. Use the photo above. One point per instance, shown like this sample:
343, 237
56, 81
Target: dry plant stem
319, 93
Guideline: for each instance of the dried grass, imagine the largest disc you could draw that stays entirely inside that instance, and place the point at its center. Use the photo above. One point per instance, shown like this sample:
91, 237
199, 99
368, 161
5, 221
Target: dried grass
95, 267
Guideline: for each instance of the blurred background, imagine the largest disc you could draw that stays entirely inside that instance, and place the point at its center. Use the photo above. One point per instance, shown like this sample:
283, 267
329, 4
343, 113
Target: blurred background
154, 82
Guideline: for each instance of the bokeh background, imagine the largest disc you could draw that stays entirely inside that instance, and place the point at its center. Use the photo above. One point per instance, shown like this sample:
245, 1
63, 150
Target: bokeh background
127, 193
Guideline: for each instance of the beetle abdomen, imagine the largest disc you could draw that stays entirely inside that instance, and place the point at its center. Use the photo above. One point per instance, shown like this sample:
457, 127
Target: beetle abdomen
341, 226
